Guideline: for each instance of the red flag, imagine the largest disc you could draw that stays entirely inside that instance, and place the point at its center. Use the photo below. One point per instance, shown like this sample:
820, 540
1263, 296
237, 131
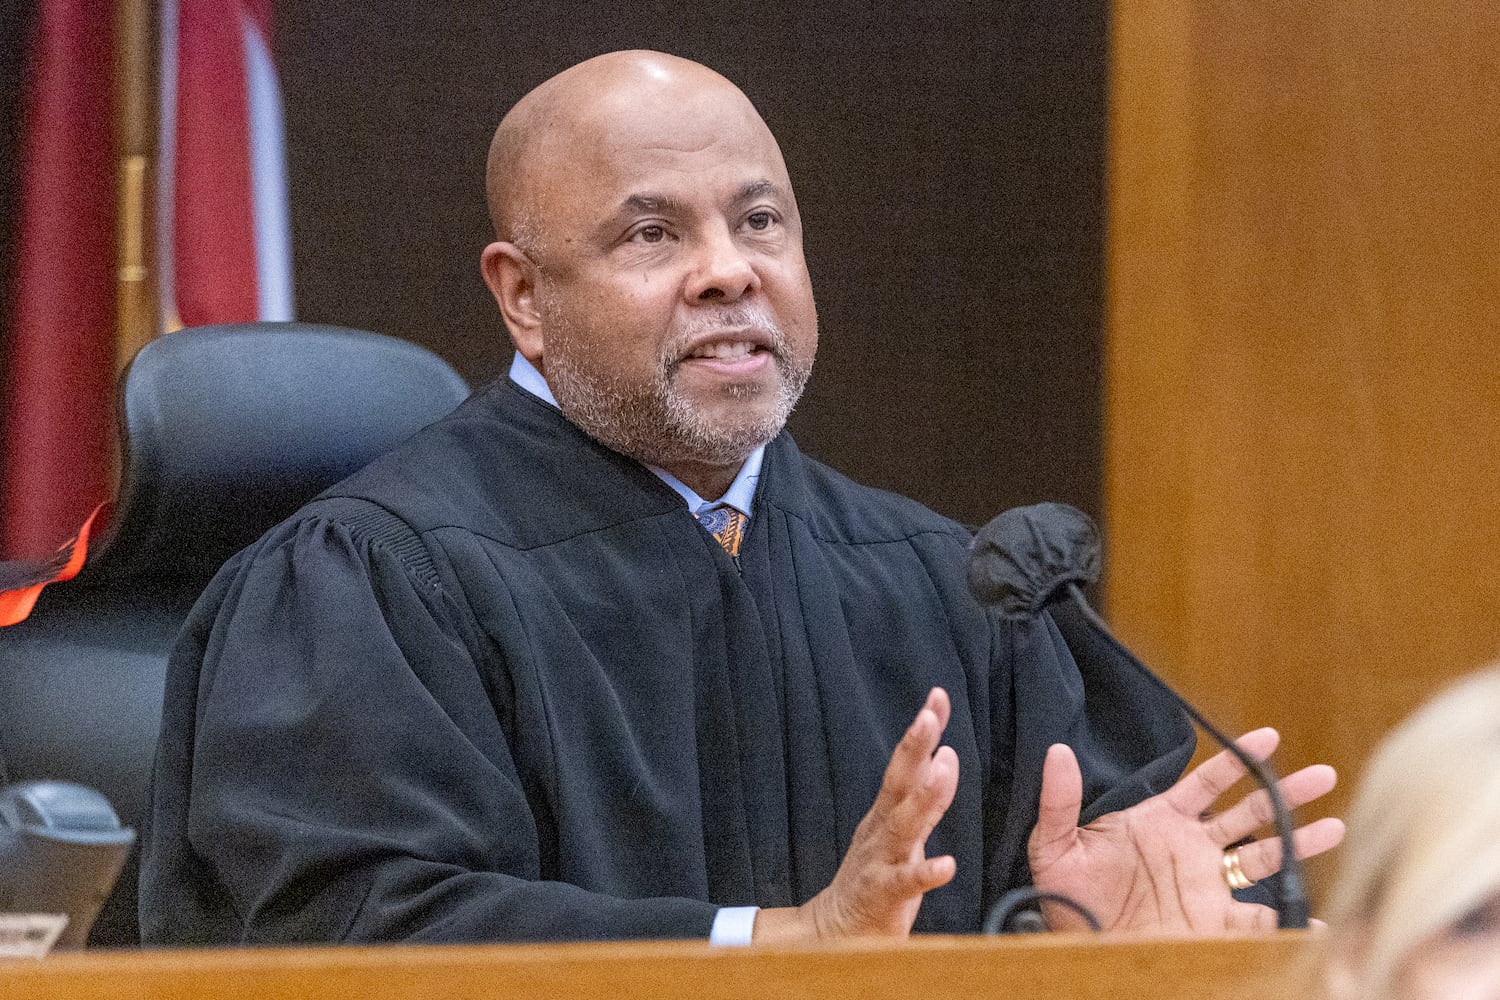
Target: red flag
59, 405
223, 225
225, 252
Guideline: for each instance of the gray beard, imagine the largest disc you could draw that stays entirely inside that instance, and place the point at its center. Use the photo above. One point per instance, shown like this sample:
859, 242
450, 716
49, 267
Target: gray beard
655, 423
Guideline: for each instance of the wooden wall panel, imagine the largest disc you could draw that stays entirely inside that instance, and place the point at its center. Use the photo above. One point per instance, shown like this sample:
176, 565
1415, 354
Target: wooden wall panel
1303, 408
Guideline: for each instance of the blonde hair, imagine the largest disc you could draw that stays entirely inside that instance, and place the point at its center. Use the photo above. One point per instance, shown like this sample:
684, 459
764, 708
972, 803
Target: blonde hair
1423, 848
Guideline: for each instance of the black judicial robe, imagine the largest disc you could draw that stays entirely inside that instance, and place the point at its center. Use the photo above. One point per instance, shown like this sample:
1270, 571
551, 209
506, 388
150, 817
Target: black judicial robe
501, 685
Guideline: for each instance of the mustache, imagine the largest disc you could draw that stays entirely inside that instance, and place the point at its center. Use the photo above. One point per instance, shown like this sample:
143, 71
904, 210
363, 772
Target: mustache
754, 319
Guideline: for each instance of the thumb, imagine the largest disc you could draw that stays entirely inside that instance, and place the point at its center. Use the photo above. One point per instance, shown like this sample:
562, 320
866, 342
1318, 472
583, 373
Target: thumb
1059, 808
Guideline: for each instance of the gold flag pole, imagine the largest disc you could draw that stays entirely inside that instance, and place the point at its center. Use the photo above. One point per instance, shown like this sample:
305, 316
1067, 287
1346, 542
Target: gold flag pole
135, 100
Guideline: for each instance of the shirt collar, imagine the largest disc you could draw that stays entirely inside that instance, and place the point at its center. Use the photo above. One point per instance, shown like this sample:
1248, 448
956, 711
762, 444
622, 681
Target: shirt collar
741, 492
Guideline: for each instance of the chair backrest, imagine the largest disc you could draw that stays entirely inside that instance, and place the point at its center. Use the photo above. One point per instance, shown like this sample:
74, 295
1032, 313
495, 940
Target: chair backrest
230, 428
226, 431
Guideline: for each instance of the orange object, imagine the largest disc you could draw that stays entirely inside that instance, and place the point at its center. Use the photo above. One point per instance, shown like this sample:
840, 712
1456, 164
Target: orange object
24, 580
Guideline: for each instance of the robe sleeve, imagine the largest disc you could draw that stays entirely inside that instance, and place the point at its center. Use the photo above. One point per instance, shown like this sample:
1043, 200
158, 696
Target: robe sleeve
1058, 683
332, 768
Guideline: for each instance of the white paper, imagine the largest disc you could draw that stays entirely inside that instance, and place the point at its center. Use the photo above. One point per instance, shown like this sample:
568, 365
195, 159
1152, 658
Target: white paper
30, 935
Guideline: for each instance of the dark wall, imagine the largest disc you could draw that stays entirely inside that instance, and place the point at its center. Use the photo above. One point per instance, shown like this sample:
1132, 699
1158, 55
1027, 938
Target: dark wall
948, 160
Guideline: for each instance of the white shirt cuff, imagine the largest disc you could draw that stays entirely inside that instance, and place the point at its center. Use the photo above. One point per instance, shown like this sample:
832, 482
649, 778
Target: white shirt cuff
733, 925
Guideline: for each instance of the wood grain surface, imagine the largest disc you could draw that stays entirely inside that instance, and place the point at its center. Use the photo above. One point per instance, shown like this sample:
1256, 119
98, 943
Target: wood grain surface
1048, 967
1303, 412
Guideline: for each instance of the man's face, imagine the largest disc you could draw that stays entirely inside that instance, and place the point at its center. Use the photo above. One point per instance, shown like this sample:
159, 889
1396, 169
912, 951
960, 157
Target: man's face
677, 316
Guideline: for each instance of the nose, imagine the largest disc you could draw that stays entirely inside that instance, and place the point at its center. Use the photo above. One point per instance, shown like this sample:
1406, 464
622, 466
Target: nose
722, 271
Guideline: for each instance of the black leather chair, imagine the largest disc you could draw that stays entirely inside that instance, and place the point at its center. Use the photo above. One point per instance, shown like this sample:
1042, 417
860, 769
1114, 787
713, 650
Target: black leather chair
226, 430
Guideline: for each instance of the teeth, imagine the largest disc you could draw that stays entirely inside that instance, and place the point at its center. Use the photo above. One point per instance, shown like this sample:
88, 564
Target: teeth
725, 351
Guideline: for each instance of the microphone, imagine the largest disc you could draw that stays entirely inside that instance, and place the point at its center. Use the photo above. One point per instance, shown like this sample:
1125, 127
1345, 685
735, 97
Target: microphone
1031, 557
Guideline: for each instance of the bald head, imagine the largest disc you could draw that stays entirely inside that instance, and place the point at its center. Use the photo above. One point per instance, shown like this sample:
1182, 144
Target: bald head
593, 109
648, 261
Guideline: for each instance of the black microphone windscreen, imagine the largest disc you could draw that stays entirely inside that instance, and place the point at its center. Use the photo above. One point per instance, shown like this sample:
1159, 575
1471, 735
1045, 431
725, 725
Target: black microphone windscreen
1022, 560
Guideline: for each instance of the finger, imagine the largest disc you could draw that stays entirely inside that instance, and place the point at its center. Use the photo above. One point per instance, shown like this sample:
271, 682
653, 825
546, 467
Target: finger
937, 700
908, 765
907, 770
914, 878
1195, 793
1250, 918
906, 826
1263, 858
937, 794
1061, 802
1254, 810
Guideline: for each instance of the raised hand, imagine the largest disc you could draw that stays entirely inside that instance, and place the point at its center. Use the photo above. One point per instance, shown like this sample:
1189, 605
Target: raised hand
1158, 866
879, 885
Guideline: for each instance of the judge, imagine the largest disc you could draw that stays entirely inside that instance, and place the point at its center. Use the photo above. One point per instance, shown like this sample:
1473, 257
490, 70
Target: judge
603, 655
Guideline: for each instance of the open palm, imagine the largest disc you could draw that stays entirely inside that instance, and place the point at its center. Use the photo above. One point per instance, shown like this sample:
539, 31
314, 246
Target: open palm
1158, 866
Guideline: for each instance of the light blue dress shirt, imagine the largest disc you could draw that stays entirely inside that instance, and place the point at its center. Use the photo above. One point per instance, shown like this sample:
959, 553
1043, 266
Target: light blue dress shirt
732, 924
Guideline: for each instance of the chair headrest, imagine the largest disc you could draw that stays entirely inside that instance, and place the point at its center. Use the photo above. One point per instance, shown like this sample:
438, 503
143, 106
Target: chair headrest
229, 429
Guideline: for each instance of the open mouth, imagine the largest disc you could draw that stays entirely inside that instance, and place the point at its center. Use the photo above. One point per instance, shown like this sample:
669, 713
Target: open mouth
732, 360
727, 350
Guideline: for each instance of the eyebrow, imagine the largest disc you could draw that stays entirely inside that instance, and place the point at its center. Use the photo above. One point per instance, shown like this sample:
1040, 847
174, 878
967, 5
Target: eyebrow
665, 204
757, 189
668, 205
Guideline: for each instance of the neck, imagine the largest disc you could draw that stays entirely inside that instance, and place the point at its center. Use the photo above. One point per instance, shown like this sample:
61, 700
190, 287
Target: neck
708, 481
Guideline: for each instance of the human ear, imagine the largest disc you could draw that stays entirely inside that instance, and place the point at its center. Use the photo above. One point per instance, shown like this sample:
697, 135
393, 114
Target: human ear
511, 277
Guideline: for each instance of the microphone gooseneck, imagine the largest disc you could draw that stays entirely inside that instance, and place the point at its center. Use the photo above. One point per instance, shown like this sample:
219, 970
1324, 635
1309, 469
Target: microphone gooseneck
1013, 912
1030, 557
1292, 908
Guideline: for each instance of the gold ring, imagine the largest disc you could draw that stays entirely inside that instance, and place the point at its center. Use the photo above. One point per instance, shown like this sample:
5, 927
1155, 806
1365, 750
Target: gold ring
1233, 873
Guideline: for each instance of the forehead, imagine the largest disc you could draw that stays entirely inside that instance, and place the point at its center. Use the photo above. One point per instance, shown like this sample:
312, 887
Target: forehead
702, 148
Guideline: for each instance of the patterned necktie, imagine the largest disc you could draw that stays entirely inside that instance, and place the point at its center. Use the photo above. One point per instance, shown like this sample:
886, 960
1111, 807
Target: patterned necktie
727, 525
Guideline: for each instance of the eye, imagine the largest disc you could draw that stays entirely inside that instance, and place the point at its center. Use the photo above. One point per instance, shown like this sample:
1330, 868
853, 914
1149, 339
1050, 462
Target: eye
651, 234
1483, 920
759, 221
